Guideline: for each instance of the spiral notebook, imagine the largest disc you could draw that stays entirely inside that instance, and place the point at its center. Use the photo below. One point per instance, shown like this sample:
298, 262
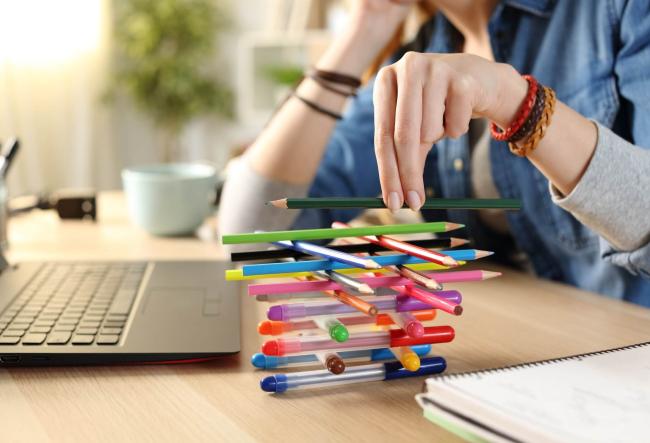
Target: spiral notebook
598, 397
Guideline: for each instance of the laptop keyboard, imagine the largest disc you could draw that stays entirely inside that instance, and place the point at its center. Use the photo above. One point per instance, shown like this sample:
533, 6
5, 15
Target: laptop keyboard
78, 304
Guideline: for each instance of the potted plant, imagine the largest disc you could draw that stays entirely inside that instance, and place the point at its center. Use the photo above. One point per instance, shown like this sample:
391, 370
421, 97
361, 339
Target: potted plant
164, 49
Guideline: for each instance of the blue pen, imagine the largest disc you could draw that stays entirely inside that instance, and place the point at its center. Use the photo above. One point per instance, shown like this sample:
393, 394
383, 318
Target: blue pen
270, 362
383, 260
356, 374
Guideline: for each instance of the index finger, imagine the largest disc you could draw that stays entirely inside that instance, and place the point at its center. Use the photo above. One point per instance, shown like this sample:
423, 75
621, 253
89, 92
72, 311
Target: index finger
384, 99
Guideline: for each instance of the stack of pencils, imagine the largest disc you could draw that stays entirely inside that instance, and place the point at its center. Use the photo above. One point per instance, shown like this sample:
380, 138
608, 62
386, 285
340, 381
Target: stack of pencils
366, 297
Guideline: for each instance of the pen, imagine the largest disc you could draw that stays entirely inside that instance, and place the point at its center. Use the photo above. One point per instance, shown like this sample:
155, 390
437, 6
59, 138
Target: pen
431, 298
262, 361
409, 323
334, 328
294, 311
407, 358
374, 372
371, 340
383, 260
331, 361
270, 327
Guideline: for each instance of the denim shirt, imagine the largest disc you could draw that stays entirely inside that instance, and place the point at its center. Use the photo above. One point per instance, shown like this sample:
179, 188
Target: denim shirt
596, 55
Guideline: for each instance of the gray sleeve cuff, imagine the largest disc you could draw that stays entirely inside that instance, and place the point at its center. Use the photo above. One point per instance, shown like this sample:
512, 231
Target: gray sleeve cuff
243, 205
636, 262
613, 195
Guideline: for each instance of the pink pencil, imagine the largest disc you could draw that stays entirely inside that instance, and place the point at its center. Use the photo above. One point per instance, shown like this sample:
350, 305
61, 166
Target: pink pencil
373, 282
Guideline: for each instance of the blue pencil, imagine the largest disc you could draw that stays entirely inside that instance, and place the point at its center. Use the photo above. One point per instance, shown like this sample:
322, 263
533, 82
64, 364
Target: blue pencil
383, 260
332, 254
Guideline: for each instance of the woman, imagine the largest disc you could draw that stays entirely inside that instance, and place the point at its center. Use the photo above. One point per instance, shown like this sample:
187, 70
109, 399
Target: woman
585, 185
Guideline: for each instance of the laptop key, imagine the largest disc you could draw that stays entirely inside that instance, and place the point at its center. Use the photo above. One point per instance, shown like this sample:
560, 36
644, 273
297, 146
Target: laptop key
83, 339
58, 338
86, 331
7, 340
116, 331
108, 339
44, 323
41, 329
90, 324
13, 333
64, 328
34, 339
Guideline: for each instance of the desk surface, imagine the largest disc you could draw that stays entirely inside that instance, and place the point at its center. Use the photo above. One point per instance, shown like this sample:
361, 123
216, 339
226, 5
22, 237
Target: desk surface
506, 321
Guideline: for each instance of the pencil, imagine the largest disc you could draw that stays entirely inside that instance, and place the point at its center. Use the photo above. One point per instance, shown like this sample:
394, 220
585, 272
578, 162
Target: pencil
376, 202
273, 254
407, 248
316, 234
321, 251
427, 281
355, 302
319, 265
430, 298
238, 274
346, 281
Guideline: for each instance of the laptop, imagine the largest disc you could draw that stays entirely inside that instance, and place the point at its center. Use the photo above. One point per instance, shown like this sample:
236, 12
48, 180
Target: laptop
79, 313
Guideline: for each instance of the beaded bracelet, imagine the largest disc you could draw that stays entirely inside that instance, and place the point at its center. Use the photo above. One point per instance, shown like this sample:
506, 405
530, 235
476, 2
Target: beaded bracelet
531, 142
522, 114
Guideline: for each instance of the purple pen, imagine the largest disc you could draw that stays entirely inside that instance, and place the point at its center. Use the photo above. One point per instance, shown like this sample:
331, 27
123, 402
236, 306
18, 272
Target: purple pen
399, 303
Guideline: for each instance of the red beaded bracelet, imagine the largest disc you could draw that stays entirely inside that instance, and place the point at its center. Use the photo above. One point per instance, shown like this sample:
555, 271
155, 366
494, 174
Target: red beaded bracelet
522, 114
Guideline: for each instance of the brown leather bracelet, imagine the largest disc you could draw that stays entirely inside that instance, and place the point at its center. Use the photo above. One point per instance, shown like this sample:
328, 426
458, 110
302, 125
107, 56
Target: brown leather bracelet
316, 107
529, 144
335, 77
325, 85
528, 127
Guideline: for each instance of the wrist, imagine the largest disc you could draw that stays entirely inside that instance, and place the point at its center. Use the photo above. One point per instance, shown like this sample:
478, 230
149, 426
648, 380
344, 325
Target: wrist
512, 89
352, 52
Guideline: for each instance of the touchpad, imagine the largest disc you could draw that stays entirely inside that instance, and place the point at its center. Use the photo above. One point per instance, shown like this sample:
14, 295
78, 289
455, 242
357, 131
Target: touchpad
165, 302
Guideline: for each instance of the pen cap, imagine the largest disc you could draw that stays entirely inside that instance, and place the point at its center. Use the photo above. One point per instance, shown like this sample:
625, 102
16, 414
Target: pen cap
386, 354
270, 327
428, 366
432, 334
286, 311
281, 346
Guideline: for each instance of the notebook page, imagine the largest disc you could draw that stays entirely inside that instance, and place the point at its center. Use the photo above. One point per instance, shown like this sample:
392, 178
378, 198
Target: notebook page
596, 398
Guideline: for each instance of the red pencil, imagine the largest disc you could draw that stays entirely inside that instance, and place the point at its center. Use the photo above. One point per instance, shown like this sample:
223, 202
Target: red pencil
404, 247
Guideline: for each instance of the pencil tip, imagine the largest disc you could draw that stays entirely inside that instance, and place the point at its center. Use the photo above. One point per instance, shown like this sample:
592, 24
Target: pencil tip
282, 203
481, 254
453, 226
371, 264
365, 289
448, 261
433, 285
490, 274
455, 242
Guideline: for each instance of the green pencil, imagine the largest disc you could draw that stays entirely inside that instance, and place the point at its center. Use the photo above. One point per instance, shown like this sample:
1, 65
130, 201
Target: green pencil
375, 202
315, 234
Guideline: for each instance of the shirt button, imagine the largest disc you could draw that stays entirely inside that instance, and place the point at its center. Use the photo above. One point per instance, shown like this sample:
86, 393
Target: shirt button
458, 164
429, 192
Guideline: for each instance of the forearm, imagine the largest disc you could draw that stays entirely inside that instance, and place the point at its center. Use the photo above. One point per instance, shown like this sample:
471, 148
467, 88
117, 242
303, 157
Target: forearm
291, 146
568, 144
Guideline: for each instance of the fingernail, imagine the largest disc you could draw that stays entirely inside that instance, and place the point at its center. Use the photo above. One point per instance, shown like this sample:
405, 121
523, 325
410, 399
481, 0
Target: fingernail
394, 202
413, 200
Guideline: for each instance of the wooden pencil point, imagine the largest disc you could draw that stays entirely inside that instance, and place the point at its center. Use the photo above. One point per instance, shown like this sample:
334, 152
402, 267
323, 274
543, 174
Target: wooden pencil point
371, 264
448, 261
365, 289
481, 254
490, 274
453, 226
281, 204
455, 242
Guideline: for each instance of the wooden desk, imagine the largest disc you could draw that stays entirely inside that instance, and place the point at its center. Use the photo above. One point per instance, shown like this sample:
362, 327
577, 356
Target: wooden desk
506, 321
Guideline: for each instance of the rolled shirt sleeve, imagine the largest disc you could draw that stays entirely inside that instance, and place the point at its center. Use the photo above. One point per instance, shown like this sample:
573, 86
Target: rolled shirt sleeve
613, 199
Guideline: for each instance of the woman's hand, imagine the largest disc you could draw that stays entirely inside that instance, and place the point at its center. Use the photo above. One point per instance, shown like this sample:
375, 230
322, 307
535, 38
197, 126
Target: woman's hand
425, 97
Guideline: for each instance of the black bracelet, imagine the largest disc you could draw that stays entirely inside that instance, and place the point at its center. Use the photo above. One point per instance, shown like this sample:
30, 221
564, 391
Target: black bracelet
336, 77
318, 108
324, 84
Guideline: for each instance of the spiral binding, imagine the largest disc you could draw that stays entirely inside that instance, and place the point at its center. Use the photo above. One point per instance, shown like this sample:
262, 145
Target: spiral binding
537, 363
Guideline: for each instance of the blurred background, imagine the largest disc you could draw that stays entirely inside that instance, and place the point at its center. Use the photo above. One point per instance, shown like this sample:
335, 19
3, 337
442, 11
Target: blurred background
93, 86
